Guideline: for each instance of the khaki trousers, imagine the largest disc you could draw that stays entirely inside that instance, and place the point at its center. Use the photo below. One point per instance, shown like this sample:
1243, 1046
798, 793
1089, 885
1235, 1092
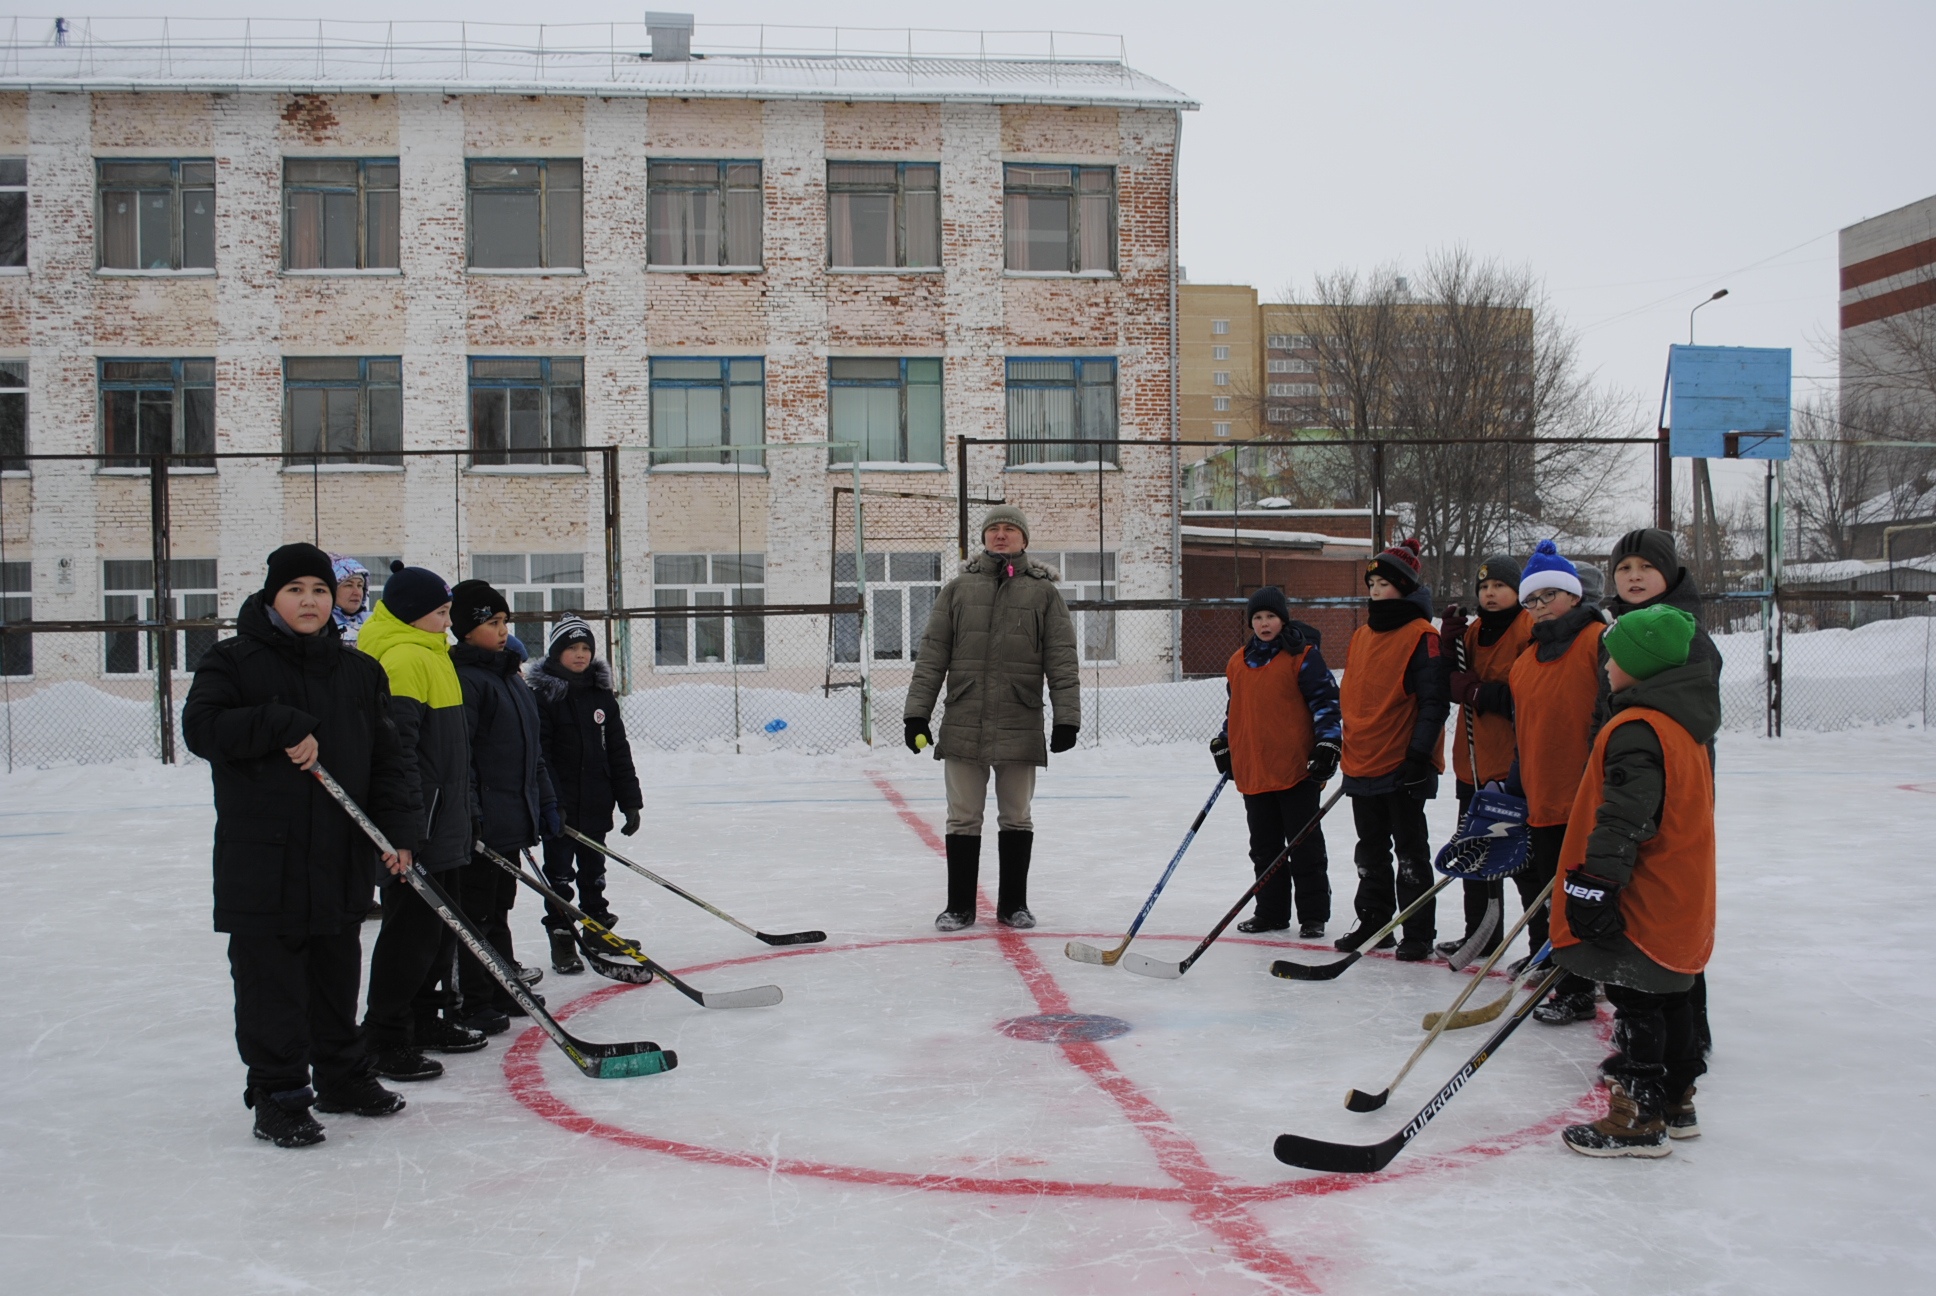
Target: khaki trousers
968, 796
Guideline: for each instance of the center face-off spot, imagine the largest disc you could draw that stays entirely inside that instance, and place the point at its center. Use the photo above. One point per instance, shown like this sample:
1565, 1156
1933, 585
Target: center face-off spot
1064, 1028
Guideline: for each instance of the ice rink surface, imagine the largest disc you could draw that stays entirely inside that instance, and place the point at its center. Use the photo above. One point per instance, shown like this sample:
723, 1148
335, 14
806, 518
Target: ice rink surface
878, 1131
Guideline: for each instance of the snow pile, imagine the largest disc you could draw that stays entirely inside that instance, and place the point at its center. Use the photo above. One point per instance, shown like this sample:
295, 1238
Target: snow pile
72, 722
1880, 673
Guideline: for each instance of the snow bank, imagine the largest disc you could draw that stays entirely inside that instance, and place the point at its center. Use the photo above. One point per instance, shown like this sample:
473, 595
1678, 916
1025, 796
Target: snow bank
1880, 673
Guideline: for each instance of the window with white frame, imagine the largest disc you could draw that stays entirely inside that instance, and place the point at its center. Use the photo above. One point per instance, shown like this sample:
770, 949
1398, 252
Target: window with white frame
1090, 576
345, 409
1292, 389
723, 581
341, 214
527, 214
1279, 414
703, 407
901, 589
156, 214
527, 410
128, 586
890, 408
16, 604
1221, 377
1289, 366
157, 407
1220, 403
1221, 429
13, 415
1288, 341
1060, 219
13, 211
1219, 328
1220, 353
703, 215
534, 584
1054, 405
883, 215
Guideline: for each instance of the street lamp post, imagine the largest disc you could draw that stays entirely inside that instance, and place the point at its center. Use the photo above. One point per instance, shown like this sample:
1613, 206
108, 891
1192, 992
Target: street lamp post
1719, 293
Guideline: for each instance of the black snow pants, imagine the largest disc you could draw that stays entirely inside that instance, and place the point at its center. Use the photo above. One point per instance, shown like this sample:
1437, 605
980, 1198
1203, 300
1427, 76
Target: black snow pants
569, 863
488, 893
1542, 864
413, 967
295, 1008
1660, 1037
1275, 818
1391, 823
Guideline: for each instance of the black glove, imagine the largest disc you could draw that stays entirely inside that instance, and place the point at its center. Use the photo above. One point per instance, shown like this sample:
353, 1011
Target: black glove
913, 728
1324, 762
1220, 752
1062, 738
1418, 777
631, 823
477, 832
550, 822
1592, 906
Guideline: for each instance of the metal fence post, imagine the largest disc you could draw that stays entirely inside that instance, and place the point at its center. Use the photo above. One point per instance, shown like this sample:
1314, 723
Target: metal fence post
615, 575
163, 654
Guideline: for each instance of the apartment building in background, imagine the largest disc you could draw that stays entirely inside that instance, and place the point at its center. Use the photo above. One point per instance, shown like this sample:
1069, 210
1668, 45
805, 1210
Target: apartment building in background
328, 253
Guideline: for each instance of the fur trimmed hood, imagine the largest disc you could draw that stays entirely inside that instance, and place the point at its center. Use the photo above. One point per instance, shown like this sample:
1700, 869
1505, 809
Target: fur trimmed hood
551, 681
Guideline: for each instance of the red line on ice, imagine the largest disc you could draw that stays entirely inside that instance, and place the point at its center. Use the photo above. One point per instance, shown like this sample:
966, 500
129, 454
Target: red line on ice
1211, 1203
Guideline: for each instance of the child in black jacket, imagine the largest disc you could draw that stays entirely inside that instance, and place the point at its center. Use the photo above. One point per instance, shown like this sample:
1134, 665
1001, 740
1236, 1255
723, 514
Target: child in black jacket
590, 762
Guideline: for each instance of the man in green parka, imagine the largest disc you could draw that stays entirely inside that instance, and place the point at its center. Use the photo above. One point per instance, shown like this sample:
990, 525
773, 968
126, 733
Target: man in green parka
998, 631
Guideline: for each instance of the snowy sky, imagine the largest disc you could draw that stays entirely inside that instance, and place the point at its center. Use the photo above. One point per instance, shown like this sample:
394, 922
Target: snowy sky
1637, 156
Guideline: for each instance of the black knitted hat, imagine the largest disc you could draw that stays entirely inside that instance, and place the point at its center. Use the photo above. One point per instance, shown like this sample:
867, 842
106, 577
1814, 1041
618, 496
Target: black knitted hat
472, 603
296, 560
413, 593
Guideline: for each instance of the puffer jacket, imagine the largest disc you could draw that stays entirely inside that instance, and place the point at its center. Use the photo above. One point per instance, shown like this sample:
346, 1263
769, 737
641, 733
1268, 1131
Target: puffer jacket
427, 704
587, 753
995, 638
509, 783
288, 861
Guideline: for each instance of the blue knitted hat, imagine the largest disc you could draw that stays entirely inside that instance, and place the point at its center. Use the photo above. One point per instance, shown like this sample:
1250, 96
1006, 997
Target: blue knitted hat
1548, 569
413, 593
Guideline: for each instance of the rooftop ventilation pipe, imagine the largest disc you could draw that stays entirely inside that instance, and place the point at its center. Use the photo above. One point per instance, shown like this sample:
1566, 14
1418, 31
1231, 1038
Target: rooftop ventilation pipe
671, 36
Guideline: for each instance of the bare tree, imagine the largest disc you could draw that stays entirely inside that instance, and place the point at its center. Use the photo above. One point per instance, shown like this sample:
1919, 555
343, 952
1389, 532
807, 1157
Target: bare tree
1858, 465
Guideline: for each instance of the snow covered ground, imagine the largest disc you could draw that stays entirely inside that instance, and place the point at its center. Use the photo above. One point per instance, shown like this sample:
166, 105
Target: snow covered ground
878, 1133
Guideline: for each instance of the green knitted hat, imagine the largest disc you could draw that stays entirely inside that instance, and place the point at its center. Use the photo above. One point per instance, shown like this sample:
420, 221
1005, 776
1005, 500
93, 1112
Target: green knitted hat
1007, 513
1651, 640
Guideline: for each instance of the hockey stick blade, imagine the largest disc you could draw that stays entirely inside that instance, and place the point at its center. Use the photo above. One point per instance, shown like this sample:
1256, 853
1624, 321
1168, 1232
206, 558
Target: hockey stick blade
1368, 1158
1083, 952
793, 938
783, 938
1470, 950
600, 1061
1360, 1101
1290, 971
613, 970
1144, 965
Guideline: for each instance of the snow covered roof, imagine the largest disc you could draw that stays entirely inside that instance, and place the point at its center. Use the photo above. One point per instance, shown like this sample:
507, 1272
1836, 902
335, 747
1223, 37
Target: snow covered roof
1288, 539
1853, 569
604, 59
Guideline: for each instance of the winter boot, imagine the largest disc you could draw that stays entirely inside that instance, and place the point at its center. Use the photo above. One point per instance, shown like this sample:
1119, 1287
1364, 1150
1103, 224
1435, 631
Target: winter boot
283, 1118
564, 954
1632, 1126
530, 976
443, 1035
1255, 924
485, 1021
407, 1063
1358, 935
1563, 1008
1413, 951
964, 874
1014, 846
359, 1094
1680, 1118
1310, 930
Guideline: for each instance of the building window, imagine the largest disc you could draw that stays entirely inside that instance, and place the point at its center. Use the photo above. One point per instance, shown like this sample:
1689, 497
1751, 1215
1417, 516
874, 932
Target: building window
890, 408
1279, 414
13, 415
1289, 366
709, 581
883, 214
1219, 328
1060, 219
702, 408
1288, 342
1221, 429
1089, 576
528, 214
340, 214
157, 214
534, 584
1221, 378
16, 604
527, 410
1220, 353
128, 595
1056, 404
703, 215
153, 407
13, 211
1220, 403
347, 409
901, 589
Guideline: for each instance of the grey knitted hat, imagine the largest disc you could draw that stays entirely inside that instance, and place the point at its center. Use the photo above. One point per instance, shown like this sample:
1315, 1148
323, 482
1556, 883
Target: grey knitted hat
1010, 514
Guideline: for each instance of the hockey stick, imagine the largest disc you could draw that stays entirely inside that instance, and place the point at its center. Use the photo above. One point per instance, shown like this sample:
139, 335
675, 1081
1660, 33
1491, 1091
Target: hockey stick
1490, 923
757, 997
784, 938
1082, 952
1359, 1101
1144, 965
601, 1061
1330, 971
1456, 1020
1368, 1158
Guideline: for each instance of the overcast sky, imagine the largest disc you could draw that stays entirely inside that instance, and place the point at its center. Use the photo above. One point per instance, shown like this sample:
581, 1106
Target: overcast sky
1637, 155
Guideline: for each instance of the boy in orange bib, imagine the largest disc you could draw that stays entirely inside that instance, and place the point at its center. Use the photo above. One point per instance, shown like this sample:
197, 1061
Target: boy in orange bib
1394, 704
1634, 894
1280, 745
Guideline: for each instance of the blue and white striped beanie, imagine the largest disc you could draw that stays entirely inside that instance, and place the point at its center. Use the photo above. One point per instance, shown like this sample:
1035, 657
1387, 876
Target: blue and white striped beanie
1548, 569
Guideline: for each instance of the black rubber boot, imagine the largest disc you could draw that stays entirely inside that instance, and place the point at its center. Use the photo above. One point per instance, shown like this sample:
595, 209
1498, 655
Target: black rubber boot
1014, 847
964, 875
